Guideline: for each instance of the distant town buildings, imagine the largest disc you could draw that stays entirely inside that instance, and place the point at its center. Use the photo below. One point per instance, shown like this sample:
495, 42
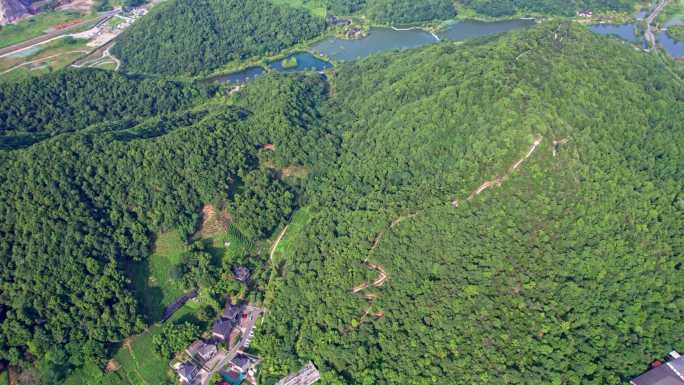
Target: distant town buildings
670, 372
306, 376
206, 357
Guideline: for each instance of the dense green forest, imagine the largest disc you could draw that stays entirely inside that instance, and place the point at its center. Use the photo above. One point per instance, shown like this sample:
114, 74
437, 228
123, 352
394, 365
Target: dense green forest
190, 36
499, 8
405, 11
409, 11
78, 208
566, 268
568, 272
71, 100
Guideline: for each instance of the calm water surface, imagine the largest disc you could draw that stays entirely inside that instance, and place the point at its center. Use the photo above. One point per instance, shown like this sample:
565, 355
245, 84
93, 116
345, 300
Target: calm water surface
628, 32
305, 62
673, 47
470, 29
623, 31
240, 76
385, 39
378, 40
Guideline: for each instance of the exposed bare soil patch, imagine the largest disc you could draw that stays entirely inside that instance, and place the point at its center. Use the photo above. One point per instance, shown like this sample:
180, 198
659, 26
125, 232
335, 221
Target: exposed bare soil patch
213, 221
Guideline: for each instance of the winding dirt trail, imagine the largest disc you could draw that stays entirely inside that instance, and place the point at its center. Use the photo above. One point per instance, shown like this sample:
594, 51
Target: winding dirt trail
383, 276
277, 241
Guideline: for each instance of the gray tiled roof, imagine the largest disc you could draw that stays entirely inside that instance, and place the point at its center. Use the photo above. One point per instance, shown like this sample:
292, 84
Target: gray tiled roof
669, 373
222, 328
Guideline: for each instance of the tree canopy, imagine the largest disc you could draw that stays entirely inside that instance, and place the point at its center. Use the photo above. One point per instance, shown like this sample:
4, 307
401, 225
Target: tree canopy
72, 100
77, 208
191, 36
565, 269
499, 8
507, 210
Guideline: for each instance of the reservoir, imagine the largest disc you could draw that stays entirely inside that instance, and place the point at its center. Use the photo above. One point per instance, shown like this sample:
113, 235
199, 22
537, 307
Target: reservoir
674, 48
471, 29
628, 32
378, 40
240, 76
623, 31
386, 39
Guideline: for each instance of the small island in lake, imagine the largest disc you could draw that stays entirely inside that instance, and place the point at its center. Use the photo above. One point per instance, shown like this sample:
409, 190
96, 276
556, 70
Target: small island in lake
676, 32
289, 62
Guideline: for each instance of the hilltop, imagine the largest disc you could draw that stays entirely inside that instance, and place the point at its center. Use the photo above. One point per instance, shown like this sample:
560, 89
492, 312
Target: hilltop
508, 211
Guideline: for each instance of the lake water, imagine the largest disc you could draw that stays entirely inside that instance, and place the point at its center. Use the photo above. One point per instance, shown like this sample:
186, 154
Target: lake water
470, 29
386, 39
240, 76
378, 40
623, 31
674, 48
627, 32
305, 62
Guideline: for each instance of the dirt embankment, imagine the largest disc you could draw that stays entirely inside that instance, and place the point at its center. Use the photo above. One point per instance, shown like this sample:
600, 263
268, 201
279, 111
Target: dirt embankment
213, 221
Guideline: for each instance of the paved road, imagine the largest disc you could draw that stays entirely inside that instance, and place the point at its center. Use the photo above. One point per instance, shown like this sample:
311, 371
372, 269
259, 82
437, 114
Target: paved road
648, 34
54, 35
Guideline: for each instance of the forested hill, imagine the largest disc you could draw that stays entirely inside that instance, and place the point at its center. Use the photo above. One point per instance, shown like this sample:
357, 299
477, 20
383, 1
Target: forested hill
499, 8
407, 11
520, 205
190, 36
79, 209
71, 100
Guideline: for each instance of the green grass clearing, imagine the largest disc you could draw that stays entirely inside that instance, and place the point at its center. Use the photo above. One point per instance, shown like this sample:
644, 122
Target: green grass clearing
155, 279
4, 378
139, 363
297, 225
33, 27
156, 286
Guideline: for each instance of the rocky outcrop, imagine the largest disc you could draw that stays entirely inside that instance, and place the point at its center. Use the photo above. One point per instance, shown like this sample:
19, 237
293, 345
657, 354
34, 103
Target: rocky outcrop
11, 11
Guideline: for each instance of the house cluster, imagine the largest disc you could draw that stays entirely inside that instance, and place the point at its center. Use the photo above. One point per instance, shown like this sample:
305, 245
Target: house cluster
221, 352
226, 329
667, 372
585, 13
242, 367
197, 366
306, 376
